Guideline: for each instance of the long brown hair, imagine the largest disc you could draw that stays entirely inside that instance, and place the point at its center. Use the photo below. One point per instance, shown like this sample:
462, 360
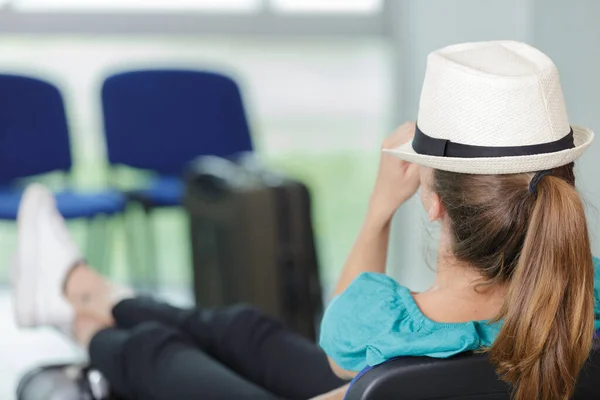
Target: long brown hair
538, 245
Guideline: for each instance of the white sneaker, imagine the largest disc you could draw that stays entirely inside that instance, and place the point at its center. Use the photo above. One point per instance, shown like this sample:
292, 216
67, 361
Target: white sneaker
46, 253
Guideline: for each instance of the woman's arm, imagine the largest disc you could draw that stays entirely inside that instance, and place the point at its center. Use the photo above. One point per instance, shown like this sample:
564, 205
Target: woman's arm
397, 181
369, 252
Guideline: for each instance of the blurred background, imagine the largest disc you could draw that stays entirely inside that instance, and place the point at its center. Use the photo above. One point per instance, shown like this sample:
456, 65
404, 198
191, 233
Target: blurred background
322, 82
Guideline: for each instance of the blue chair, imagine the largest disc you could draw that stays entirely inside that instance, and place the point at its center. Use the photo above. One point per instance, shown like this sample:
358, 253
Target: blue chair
161, 120
34, 139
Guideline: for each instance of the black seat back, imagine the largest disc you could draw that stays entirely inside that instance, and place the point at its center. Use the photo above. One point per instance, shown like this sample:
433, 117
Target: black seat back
466, 376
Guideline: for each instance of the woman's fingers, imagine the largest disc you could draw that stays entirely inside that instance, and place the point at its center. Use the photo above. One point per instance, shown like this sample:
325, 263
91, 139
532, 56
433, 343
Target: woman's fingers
413, 176
404, 133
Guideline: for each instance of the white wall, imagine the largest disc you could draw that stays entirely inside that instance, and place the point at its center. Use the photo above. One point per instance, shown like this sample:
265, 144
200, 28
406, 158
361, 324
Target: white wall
567, 31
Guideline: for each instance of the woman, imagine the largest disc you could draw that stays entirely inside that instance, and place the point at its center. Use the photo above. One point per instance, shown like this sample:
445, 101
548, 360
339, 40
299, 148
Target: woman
493, 154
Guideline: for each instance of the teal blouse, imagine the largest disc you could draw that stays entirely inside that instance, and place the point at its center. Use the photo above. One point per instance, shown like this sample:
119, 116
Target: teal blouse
376, 319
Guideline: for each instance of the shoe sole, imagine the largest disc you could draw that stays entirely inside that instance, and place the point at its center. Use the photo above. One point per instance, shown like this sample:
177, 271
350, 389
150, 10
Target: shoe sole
25, 276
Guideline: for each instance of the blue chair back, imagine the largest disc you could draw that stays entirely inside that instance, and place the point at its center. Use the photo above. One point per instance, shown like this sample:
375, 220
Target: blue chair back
34, 136
160, 120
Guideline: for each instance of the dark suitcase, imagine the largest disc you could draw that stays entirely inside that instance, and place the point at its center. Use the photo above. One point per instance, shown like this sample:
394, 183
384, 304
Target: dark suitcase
253, 241
63, 382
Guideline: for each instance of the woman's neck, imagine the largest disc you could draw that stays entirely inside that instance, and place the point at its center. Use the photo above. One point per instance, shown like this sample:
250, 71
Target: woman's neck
459, 292
457, 276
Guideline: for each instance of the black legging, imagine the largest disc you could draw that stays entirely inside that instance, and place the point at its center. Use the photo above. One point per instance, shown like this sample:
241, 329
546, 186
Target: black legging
159, 352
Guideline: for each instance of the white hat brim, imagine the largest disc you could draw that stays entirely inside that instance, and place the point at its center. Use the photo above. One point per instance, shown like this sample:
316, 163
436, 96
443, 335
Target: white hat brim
582, 138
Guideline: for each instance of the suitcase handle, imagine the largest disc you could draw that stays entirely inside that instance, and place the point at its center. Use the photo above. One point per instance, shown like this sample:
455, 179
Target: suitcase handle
211, 186
214, 176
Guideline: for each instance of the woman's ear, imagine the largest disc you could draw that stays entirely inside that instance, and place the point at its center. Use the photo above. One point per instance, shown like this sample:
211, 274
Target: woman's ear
436, 209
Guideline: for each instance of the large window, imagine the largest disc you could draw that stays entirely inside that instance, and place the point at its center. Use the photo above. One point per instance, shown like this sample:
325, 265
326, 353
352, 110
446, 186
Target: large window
280, 18
327, 6
137, 5
284, 6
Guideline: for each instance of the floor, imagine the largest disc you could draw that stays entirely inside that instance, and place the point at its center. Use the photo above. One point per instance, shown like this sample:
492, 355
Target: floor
21, 350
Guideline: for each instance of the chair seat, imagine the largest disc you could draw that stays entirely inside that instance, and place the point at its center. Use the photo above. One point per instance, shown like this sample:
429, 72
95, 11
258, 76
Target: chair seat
70, 204
164, 191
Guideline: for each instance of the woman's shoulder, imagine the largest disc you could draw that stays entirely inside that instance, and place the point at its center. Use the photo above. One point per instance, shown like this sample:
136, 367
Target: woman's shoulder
375, 295
370, 297
596, 261
376, 319
356, 321
382, 281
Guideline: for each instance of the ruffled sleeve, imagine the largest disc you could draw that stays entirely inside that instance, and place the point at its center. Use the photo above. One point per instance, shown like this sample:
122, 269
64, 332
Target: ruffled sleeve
376, 319
597, 292
370, 307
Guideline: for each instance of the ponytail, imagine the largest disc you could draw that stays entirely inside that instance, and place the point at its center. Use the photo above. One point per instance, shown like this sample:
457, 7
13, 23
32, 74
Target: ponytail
548, 312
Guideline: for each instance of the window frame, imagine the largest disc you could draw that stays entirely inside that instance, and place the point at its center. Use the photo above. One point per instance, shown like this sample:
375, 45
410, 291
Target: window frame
264, 21
74, 6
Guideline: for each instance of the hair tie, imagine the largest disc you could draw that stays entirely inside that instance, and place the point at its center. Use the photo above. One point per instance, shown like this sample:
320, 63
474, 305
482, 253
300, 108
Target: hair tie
536, 178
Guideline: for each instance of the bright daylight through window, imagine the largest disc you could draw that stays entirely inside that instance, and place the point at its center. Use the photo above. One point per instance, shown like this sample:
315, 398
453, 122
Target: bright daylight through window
137, 5
284, 6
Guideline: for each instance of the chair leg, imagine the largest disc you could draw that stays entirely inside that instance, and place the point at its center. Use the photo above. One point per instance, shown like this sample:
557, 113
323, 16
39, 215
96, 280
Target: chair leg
141, 247
152, 277
105, 244
133, 261
8, 242
90, 242
98, 244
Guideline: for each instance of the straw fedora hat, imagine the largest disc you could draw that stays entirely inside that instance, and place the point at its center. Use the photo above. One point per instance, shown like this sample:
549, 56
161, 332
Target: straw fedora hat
493, 108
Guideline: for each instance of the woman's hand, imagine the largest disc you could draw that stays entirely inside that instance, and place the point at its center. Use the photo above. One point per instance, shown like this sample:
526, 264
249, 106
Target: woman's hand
397, 180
